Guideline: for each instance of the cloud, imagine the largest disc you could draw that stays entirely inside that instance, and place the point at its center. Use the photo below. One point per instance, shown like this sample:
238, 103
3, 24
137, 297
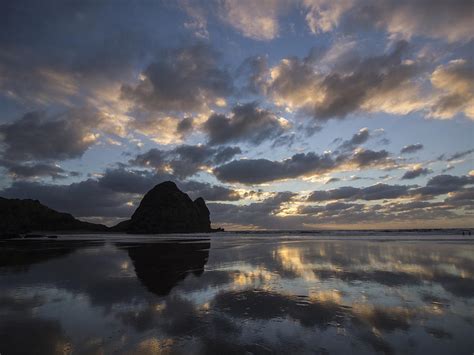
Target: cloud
357, 139
254, 19
374, 192
36, 136
185, 126
443, 184
456, 82
141, 181
393, 82
438, 185
416, 172
459, 155
293, 83
185, 160
371, 83
26, 171
198, 20
131, 181
58, 53
324, 15
363, 158
247, 123
189, 159
401, 19
261, 214
161, 129
464, 196
332, 180
186, 79
254, 69
450, 21
258, 171
411, 148
209, 192
383, 83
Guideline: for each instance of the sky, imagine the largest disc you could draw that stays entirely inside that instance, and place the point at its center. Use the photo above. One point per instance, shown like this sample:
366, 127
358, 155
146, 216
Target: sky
281, 114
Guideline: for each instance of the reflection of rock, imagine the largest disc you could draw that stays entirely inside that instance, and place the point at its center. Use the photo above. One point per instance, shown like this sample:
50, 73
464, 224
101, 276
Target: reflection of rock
166, 209
19, 254
160, 266
19, 216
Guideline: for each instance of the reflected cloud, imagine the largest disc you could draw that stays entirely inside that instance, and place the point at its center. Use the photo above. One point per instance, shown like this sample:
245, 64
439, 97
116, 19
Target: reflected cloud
238, 295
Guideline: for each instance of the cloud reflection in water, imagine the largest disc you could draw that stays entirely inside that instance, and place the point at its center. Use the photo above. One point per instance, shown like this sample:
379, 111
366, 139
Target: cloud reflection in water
238, 295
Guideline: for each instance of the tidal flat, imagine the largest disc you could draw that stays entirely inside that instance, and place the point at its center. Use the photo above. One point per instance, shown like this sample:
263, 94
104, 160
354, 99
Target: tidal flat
230, 293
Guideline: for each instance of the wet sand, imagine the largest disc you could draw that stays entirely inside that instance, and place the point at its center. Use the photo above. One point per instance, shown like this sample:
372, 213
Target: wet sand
228, 293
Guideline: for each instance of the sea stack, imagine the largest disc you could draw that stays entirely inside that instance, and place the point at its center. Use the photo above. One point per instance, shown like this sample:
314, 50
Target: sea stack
166, 209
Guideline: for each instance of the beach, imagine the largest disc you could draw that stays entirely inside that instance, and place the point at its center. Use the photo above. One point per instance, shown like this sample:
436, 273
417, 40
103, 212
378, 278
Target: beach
238, 293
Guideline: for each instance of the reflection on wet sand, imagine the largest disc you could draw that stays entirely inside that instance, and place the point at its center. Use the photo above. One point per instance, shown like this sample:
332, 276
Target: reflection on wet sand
235, 295
160, 266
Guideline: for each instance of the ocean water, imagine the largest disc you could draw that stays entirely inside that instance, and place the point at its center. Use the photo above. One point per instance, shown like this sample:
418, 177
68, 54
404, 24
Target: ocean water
247, 293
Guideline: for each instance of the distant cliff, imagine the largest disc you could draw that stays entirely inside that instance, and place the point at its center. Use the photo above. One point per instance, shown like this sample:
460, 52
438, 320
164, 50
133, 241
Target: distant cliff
22, 216
166, 209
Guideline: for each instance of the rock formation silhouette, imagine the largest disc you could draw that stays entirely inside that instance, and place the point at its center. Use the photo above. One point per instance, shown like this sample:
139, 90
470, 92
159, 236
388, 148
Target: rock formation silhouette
22, 216
166, 209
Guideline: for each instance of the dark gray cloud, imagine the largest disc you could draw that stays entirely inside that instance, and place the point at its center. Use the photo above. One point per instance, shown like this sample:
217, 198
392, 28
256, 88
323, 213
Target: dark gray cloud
257, 171
225, 154
455, 156
185, 160
128, 181
459, 155
34, 170
438, 185
346, 93
375, 192
366, 158
462, 197
45, 47
182, 79
36, 136
417, 172
411, 148
330, 207
185, 126
357, 139
254, 69
349, 87
332, 180
443, 184
152, 158
209, 192
247, 123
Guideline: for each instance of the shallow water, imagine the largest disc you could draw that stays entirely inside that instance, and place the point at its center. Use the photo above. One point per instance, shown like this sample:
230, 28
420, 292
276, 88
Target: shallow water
237, 294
